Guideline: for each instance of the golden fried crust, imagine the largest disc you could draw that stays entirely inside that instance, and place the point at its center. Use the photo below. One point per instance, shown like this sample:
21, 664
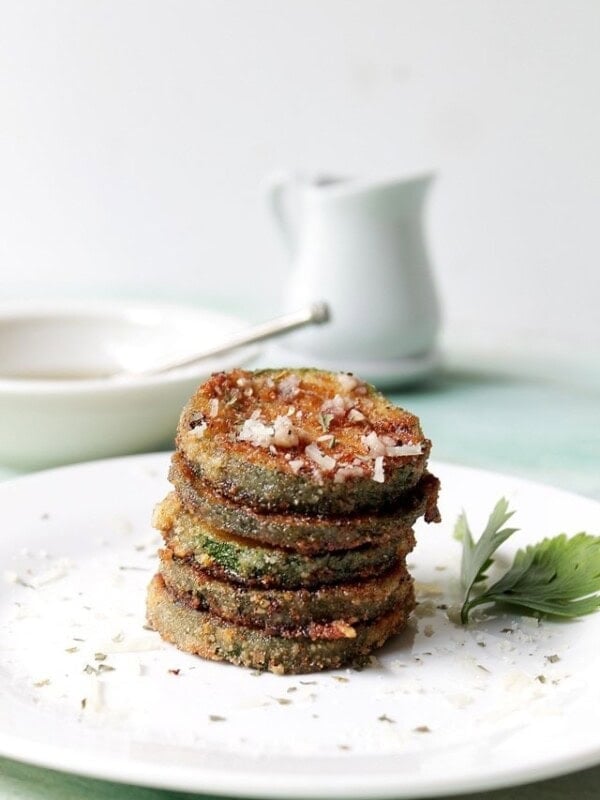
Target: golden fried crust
304, 533
276, 611
301, 440
208, 636
248, 563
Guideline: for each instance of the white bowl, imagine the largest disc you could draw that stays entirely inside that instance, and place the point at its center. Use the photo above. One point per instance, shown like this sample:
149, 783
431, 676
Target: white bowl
60, 400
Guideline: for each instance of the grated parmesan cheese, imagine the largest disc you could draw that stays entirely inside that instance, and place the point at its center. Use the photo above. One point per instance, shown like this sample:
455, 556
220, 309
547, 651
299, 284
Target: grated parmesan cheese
289, 387
281, 433
198, 430
326, 463
354, 415
347, 382
285, 435
326, 437
256, 433
373, 443
337, 405
386, 446
349, 472
404, 450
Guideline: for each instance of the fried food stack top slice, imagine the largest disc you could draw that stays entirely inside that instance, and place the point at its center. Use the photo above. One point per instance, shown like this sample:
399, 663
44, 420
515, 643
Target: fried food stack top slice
304, 441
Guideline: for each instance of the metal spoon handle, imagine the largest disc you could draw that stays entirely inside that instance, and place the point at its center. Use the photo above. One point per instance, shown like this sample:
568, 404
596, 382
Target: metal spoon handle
316, 314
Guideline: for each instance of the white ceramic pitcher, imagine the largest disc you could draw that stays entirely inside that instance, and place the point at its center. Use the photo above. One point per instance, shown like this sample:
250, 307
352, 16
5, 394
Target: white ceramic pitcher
359, 245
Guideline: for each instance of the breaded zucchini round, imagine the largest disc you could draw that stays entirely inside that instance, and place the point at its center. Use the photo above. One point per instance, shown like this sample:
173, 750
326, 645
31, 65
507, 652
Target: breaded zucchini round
245, 562
305, 441
304, 533
274, 610
210, 637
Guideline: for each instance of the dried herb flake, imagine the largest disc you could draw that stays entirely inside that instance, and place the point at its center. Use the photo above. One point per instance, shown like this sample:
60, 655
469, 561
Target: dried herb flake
325, 420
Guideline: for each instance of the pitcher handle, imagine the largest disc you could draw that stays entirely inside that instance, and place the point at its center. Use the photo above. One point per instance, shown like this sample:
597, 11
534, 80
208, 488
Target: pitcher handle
278, 189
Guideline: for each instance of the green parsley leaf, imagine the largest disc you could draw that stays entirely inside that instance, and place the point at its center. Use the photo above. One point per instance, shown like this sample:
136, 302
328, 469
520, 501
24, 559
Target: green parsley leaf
325, 421
558, 576
477, 557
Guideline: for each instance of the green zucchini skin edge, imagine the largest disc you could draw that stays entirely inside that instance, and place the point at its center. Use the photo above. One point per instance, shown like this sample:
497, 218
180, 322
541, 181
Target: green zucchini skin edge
304, 533
270, 491
205, 635
251, 564
274, 609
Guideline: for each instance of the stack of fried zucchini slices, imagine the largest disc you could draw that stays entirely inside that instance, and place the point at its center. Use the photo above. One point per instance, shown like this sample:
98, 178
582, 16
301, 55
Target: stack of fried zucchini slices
295, 495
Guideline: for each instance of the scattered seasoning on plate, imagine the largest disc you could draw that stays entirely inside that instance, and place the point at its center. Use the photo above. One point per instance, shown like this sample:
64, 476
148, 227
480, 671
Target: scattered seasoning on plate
90, 670
127, 568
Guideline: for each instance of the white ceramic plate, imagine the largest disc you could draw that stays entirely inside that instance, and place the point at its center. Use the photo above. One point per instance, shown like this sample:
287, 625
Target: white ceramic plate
85, 688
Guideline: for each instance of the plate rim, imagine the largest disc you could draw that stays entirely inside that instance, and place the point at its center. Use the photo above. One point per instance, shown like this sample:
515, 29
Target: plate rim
380, 786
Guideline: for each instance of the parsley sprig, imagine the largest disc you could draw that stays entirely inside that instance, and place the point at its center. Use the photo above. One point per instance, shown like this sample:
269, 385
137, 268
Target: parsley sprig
558, 576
